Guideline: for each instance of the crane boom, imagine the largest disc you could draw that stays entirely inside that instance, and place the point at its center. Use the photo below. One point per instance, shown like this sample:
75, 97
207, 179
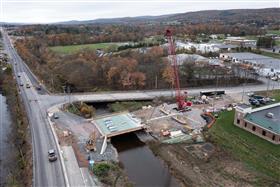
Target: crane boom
180, 99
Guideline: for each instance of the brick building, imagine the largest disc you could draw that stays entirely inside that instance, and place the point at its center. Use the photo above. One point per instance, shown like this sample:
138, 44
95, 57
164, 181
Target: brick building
263, 121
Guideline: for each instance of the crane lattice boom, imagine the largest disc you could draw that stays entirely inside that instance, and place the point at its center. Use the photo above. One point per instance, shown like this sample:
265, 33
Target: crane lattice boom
180, 99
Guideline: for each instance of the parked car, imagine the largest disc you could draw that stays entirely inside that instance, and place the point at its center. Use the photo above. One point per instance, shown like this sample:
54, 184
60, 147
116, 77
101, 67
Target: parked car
254, 102
21, 83
51, 155
18, 75
259, 98
250, 94
269, 100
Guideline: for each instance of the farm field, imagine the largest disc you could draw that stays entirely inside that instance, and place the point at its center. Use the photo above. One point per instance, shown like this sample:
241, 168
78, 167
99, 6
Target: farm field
68, 49
259, 155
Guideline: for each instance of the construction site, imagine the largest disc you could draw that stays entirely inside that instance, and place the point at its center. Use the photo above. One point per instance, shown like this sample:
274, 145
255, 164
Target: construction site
167, 139
155, 132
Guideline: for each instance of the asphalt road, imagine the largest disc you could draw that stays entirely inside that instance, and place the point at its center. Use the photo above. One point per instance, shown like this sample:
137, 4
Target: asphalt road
146, 95
44, 173
38, 102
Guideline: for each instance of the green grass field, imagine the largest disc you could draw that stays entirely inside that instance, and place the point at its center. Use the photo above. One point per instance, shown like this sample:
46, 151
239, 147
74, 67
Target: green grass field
274, 32
69, 49
259, 155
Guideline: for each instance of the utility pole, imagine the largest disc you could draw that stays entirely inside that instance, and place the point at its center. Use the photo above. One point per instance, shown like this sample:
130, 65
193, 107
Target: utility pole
243, 85
268, 83
156, 82
68, 91
216, 88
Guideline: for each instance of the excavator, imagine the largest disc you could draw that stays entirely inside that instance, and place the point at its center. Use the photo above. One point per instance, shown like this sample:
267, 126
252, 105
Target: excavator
91, 142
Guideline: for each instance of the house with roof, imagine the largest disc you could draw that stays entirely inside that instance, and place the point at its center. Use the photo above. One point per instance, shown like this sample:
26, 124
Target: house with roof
263, 121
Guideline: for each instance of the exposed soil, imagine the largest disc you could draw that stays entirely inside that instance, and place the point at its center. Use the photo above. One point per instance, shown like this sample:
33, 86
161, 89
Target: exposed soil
115, 176
218, 170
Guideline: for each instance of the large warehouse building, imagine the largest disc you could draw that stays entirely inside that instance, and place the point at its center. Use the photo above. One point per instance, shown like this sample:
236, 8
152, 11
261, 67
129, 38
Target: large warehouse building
263, 122
263, 64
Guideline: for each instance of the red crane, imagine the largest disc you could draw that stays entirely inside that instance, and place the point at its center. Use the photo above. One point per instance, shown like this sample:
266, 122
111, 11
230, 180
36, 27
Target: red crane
180, 98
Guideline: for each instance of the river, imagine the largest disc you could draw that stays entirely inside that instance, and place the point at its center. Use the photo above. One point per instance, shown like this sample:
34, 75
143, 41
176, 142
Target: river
7, 150
141, 165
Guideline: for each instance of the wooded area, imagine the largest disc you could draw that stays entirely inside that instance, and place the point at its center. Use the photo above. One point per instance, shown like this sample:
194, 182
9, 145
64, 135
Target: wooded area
126, 70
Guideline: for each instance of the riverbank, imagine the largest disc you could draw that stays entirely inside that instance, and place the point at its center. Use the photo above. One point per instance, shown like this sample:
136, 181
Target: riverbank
7, 149
21, 175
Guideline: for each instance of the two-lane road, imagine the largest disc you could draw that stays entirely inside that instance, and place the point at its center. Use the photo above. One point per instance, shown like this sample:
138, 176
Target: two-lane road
45, 173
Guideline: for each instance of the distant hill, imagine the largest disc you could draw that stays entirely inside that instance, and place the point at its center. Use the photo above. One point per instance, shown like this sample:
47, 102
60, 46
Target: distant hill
258, 17
123, 20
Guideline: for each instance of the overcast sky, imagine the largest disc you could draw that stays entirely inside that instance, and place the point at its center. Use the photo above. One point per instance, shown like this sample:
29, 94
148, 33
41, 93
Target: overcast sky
47, 11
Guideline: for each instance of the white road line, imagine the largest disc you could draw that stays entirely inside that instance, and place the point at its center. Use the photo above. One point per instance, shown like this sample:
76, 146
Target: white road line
85, 180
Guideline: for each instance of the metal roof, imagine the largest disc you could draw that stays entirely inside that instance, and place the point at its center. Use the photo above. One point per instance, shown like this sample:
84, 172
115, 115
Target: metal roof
260, 118
181, 58
225, 46
266, 61
247, 56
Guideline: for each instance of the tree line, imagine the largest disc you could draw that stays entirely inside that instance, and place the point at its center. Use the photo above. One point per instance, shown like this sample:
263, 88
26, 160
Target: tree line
126, 70
84, 34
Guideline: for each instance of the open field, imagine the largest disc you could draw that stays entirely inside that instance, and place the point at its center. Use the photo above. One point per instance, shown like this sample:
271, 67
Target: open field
68, 49
259, 155
273, 32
